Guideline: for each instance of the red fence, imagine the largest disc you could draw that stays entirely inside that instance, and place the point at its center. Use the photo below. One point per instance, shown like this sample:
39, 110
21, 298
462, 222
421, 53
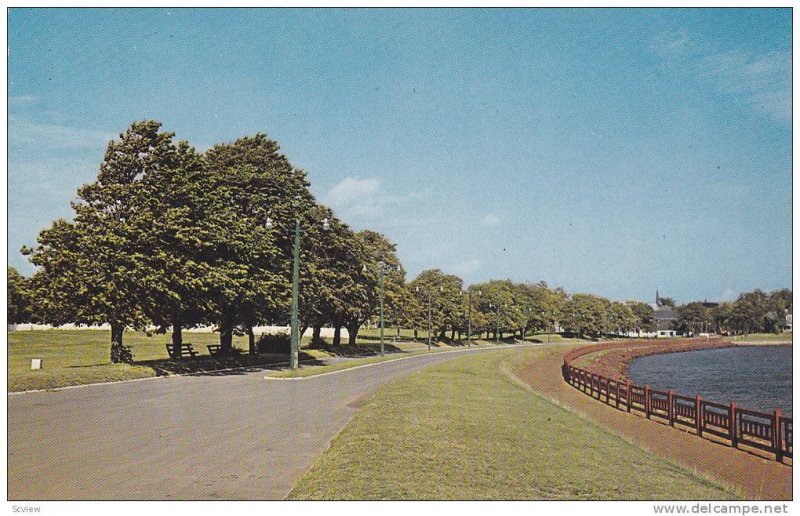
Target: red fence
768, 432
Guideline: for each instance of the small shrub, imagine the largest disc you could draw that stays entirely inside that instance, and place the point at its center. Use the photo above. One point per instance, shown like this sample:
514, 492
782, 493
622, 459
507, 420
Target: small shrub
273, 343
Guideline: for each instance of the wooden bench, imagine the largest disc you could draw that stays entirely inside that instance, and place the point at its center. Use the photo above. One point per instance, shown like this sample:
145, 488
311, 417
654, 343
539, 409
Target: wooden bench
213, 349
186, 350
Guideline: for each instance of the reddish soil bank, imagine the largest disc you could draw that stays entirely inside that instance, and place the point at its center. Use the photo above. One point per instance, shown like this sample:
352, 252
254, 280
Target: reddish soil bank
759, 477
613, 358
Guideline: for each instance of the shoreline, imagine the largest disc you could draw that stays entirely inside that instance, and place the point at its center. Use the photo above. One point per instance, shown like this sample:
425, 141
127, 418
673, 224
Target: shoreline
612, 359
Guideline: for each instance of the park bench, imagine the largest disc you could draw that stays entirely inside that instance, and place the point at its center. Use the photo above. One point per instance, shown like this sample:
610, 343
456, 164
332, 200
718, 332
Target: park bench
186, 350
213, 349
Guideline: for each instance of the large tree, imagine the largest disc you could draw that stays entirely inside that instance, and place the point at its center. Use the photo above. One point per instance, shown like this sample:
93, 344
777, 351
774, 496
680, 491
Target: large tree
92, 270
446, 297
258, 182
644, 316
750, 312
374, 251
499, 302
186, 231
619, 318
693, 318
584, 314
20, 298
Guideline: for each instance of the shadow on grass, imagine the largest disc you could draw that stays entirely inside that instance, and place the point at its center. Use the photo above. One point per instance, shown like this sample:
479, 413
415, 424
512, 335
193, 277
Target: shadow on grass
360, 351
224, 365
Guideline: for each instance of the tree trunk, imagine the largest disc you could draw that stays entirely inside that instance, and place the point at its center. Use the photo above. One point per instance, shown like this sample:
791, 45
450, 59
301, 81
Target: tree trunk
337, 336
226, 339
119, 353
416, 334
302, 330
453, 334
177, 334
316, 337
251, 340
352, 330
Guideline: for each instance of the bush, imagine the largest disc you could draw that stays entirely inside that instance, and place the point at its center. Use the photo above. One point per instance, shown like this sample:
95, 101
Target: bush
274, 343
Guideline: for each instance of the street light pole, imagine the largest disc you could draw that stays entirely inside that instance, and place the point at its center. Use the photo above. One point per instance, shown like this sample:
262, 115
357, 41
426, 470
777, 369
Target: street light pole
469, 318
497, 326
294, 355
429, 320
382, 294
546, 327
294, 330
497, 334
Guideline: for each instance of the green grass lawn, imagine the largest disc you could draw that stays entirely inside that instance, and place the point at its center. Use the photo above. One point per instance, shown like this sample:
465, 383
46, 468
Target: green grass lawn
74, 357
77, 357
763, 337
466, 430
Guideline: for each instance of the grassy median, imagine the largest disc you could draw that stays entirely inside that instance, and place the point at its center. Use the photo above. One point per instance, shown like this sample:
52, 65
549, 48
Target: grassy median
466, 430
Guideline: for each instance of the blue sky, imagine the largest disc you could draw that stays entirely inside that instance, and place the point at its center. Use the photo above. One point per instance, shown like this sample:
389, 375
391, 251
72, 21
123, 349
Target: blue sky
606, 151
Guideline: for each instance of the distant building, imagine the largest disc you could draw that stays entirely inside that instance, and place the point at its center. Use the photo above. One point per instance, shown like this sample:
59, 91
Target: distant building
788, 320
665, 317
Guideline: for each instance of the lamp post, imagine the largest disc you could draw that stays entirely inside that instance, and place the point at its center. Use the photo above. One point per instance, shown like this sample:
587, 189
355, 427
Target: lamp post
382, 269
469, 317
294, 330
497, 328
428, 293
546, 329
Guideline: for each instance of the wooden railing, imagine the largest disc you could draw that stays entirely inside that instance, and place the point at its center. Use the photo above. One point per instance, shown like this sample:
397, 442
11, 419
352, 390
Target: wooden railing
764, 431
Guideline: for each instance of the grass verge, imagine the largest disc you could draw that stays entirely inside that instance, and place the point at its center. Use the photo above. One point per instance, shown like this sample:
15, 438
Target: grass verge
763, 337
465, 430
304, 371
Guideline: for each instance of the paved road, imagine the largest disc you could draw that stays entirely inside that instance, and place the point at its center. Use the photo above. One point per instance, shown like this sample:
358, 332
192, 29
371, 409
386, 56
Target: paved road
202, 437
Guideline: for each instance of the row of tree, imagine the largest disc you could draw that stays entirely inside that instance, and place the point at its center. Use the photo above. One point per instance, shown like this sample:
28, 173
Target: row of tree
504, 307
173, 238
752, 312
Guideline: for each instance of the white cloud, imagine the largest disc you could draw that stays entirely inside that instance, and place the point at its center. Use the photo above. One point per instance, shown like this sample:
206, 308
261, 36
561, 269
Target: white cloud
365, 200
671, 44
491, 219
22, 100
764, 82
23, 133
356, 198
466, 267
761, 81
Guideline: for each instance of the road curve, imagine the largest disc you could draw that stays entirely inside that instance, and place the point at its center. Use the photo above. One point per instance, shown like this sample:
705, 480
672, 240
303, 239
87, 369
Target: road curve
229, 437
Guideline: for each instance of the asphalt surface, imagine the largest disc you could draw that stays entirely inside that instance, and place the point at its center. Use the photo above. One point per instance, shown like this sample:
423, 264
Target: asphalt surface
228, 436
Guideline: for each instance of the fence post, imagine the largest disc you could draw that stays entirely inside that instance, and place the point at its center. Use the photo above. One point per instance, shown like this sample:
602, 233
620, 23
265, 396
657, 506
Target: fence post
628, 394
670, 408
647, 401
599, 386
776, 434
734, 438
698, 415
617, 393
608, 391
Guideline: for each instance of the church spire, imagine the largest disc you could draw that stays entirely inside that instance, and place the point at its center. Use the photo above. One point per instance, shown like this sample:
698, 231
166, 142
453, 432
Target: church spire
657, 300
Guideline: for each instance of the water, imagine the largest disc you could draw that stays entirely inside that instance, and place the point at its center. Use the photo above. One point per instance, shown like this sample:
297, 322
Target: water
755, 377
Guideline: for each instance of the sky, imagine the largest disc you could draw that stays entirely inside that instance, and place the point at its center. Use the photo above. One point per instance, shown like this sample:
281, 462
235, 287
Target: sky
612, 152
